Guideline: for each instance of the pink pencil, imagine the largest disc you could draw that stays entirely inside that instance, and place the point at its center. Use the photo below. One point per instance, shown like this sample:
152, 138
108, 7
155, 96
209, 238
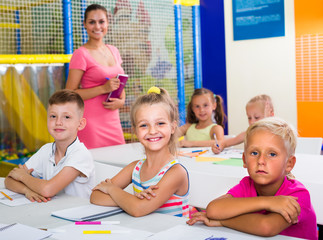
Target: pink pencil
97, 223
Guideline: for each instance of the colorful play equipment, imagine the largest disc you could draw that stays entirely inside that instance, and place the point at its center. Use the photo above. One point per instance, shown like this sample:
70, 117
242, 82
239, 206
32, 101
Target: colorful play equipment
150, 45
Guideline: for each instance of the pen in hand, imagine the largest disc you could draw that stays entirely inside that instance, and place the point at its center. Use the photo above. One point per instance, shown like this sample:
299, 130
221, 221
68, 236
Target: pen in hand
216, 141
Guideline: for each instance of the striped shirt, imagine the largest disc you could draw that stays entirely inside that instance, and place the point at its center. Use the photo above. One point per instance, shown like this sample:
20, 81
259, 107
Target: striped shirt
176, 205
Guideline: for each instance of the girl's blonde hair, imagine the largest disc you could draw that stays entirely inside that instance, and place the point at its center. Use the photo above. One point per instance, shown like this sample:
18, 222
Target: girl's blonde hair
265, 103
156, 98
219, 115
278, 127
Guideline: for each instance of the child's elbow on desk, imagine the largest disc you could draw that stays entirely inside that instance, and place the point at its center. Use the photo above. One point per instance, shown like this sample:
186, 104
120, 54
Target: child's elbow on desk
137, 211
47, 191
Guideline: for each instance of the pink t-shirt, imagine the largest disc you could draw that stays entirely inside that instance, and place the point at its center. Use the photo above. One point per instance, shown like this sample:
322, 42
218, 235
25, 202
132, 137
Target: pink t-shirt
306, 226
103, 127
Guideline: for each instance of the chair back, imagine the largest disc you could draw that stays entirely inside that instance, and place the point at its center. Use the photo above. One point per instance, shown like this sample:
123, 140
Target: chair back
104, 171
309, 145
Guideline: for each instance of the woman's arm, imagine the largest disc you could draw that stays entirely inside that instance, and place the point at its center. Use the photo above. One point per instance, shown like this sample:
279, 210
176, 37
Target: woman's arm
116, 103
174, 181
74, 80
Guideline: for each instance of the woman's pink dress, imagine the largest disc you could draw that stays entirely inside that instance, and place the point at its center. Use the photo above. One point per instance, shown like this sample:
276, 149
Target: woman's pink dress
103, 127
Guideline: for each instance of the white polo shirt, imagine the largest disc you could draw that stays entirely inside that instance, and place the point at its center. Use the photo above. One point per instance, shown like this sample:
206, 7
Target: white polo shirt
76, 156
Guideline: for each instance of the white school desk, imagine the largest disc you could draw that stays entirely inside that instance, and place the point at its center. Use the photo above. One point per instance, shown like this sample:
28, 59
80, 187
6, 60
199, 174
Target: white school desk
38, 215
209, 181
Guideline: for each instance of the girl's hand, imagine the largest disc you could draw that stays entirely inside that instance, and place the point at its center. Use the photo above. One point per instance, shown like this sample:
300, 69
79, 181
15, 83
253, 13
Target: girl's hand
287, 206
33, 196
147, 193
201, 217
217, 149
115, 103
111, 85
103, 186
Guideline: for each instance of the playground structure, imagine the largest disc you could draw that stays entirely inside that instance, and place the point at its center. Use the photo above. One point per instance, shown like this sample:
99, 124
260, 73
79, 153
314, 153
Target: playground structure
159, 43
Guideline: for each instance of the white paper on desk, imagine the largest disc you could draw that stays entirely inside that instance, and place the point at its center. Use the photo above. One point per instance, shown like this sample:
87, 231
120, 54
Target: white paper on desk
86, 212
73, 231
226, 153
181, 232
20, 231
18, 199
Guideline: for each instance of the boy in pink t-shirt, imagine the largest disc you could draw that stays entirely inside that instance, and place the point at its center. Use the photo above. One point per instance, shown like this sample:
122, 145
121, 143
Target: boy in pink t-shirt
267, 202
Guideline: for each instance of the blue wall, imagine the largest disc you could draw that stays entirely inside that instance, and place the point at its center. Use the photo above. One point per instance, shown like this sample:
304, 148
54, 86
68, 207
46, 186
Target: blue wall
213, 48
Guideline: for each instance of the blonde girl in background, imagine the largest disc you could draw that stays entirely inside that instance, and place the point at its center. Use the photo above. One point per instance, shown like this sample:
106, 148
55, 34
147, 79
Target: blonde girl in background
268, 201
205, 119
257, 108
154, 118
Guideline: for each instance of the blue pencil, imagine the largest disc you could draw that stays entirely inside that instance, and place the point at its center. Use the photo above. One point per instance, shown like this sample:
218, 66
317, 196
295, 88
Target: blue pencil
197, 151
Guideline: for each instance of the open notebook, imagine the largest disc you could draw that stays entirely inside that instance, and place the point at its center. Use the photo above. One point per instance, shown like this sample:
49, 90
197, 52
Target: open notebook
19, 231
86, 212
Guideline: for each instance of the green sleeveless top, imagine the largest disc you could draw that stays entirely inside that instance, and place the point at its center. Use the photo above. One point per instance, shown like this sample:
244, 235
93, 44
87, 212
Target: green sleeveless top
193, 134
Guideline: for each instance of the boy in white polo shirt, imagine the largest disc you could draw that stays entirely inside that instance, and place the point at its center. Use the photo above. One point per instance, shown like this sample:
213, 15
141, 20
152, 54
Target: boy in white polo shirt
65, 164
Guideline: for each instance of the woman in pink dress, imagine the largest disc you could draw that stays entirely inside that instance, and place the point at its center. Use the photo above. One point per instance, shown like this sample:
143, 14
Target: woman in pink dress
90, 66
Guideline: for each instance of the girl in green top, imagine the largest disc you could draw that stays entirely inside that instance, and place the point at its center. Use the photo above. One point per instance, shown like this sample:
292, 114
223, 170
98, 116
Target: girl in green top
205, 120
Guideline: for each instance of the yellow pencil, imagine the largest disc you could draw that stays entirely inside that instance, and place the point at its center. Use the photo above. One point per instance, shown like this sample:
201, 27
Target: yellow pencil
97, 232
104, 231
6, 196
203, 152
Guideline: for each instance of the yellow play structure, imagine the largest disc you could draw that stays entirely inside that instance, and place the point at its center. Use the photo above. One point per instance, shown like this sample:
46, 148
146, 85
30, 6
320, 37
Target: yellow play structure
24, 111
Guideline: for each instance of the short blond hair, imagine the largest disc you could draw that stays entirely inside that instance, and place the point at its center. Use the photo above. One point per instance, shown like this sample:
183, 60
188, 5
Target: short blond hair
278, 127
264, 102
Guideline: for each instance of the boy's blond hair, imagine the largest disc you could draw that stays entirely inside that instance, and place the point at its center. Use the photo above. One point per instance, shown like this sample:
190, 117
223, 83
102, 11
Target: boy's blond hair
278, 127
264, 102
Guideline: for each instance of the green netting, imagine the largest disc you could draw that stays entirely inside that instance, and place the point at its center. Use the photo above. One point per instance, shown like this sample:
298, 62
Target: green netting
142, 30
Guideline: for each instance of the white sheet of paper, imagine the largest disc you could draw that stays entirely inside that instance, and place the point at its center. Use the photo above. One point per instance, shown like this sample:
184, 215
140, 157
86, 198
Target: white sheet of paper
18, 199
20, 231
226, 153
181, 232
73, 231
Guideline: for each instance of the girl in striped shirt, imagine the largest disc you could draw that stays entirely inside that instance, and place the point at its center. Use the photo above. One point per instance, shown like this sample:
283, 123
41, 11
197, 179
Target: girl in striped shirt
154, 118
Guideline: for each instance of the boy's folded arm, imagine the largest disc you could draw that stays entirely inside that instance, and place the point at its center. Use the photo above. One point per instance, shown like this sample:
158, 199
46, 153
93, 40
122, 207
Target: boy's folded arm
259, 224
227, 206
49, 188
19, 187
15, 185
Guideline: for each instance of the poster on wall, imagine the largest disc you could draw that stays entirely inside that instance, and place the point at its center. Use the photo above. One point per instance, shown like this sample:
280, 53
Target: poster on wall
254, 19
